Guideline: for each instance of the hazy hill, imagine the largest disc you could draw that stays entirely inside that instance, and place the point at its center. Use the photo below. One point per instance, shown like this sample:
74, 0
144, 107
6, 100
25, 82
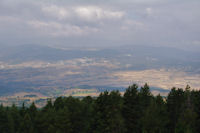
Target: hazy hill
145, 56
43, 69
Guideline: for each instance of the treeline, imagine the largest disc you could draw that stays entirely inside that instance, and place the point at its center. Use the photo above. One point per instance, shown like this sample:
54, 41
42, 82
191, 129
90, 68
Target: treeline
138, 111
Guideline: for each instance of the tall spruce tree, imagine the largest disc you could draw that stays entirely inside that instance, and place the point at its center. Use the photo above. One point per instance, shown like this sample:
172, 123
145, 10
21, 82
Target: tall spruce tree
3, 120
131, 110
26, 125
108, 117
175, 106
187, 120
87, 114
155, 118
62, 121
195, 99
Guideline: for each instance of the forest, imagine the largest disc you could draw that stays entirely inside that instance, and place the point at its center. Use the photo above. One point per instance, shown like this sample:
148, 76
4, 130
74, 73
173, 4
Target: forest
137, 111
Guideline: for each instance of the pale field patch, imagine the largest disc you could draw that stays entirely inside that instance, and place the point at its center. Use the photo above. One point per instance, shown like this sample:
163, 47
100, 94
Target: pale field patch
161, 78
81, 92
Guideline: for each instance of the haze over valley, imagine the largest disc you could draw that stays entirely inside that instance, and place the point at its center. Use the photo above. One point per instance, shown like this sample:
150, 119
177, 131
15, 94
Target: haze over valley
49, 72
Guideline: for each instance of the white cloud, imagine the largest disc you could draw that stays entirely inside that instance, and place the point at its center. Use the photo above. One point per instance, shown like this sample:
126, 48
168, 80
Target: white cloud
92, 13
89, 13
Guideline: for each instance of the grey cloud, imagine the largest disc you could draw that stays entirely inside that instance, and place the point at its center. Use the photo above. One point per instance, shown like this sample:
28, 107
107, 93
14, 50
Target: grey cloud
94, 23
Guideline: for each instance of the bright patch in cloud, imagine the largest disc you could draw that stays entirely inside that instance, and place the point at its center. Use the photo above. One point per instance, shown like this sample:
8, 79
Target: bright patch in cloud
149, 11
97, 13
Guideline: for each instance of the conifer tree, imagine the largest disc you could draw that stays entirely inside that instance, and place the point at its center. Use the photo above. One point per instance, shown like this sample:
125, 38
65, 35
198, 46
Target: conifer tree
131, 110
155, 118
108, 116
26, 125
175, 105
3, 120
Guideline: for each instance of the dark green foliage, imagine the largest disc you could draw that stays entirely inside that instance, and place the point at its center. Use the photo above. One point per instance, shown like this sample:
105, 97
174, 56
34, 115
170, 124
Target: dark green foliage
195, 100
186, 122
26, 125
62, 121
175, 105
3, 120
131, 109
145, 98
108, 109
87, 114
138, 111
155, 117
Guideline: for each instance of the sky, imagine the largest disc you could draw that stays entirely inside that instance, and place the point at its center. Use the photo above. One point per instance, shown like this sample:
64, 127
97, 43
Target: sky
99, 23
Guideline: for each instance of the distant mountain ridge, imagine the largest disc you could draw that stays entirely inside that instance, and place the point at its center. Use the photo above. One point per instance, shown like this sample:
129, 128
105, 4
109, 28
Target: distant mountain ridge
163, 55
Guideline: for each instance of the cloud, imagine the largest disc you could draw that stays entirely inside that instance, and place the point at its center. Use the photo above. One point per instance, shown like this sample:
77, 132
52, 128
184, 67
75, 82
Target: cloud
147, 22
57, 29
134, 25
96, 13
75, 20
196, 42
8, 19
89, 13
149, 11
55, 11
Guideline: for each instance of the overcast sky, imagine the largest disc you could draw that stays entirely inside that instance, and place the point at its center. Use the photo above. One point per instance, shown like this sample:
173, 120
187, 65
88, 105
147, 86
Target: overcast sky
101, 22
